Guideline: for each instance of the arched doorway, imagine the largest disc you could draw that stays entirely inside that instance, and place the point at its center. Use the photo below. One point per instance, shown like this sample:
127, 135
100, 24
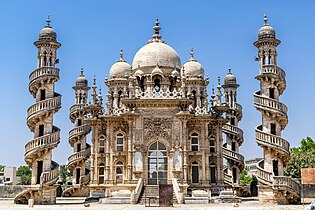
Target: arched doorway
195, 173
157, 164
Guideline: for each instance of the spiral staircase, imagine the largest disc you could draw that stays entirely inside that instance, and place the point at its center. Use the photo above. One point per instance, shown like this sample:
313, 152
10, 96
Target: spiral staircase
77, 136
38, 151
274, 119
42, 146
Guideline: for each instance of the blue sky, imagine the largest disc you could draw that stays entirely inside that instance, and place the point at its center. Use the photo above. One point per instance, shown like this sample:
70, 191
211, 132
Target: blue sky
92, 33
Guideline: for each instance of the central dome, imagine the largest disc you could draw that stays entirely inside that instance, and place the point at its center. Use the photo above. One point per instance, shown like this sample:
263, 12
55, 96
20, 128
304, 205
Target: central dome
156, 53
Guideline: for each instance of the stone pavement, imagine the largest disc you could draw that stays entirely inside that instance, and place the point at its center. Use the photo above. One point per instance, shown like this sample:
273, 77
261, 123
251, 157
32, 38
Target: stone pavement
79, 206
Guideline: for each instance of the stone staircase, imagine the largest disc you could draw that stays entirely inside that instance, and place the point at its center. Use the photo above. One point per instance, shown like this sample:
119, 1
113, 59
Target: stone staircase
152, 192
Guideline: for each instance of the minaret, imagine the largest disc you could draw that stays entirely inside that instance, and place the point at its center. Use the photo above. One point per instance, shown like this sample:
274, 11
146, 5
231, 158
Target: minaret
77, 137
234, 135
38, 151
274, 119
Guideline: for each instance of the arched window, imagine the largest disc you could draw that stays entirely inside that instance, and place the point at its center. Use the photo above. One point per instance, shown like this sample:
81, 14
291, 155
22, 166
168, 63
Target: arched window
102, 144
194, 142
212, 144
119, 172
273, 128
41, 130
119, 142
264, 58
79, 122
269, 57
101, 174
271, 93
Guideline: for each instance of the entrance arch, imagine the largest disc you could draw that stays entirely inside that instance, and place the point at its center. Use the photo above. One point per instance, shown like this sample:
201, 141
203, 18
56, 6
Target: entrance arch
157, 164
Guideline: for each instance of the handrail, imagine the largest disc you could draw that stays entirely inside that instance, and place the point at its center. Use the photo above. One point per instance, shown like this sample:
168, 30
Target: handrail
47, 104
42, 141
233, 155
286, 182
48, 176
82, 129
270, 103
273, 140
273, 69
262, 174
79, 155
179, 195
44, 71
233, 130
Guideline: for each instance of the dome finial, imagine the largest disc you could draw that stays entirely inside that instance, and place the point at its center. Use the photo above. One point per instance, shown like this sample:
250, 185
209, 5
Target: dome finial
230, 70
157, 28
192, 55
48, 20
121, 56
265, 19
81, 70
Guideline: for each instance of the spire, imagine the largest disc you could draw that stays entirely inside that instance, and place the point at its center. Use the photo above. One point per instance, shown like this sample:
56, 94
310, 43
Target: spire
219, 94
212, 96
94, 91
100, 97
156, 37
265, 19
157, 28
82, 71
192, 55
121, 56
48, 21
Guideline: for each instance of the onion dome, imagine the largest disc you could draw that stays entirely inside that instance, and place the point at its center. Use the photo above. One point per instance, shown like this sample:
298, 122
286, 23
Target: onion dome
192, 67
47, 33
156, 51
81, 81
266, 31
229, 78
120, 69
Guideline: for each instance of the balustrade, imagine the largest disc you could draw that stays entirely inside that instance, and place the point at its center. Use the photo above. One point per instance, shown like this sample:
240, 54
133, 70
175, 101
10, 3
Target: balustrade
48, 104
43, 141
44, 71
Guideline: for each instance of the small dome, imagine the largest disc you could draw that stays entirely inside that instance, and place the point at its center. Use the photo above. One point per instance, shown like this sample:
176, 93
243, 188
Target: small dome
81, 81
266, 31
229, 78
120, 69
47, 33
156, 51
192, 67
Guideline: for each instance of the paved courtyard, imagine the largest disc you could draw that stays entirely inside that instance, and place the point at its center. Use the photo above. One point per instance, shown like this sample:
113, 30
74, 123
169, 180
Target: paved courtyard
254, 205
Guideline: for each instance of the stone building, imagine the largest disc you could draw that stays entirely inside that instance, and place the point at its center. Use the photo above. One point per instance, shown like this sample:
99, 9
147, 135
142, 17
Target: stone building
274, 186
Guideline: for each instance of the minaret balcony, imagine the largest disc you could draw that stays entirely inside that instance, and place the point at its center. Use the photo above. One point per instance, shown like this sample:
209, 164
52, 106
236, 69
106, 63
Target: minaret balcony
232, 155
233, 130
273, 69
78, 156
77, 132
270, 104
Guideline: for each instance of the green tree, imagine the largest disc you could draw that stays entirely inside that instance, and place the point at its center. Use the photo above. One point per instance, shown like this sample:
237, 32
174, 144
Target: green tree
244, 178
25, 174
1, 170
64, 174
301, 157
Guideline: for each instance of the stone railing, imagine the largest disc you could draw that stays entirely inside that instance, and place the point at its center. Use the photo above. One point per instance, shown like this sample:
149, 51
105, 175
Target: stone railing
80, 130
79, 155
269, 103
50, 176
76, 107
237, 106
160, 94
44, 71
273, 69
228, 178
43, 141
264, 176
229, 154
48, 104
284, 182
179, 195
272, 140
137, 192
236, 131
84, 180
